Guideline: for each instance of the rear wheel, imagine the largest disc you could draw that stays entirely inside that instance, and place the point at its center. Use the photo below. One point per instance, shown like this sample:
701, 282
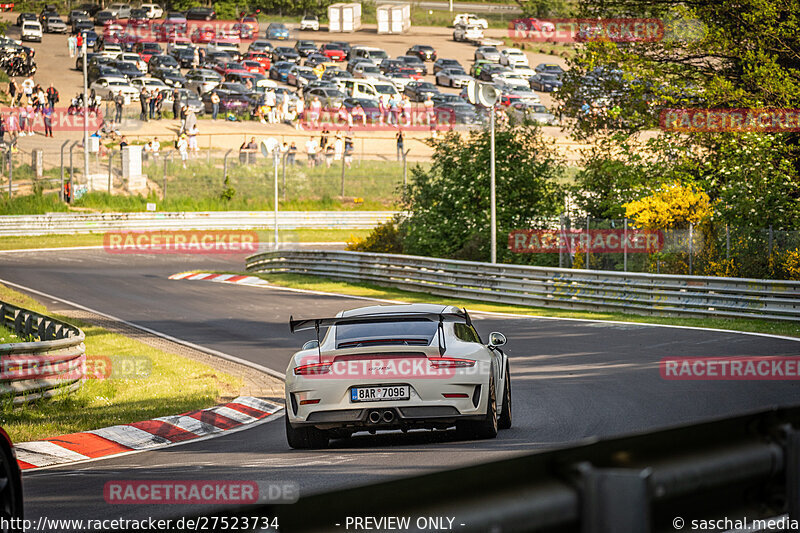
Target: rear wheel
486, 428
504, 420
305, 438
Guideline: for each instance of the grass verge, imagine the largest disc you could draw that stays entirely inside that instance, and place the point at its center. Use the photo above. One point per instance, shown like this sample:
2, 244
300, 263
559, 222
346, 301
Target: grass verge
299, 281
96, 239
174, 385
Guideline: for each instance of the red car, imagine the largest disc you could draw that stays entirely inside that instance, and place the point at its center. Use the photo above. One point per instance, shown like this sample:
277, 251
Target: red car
253, 66
147, 50
260, 58
203, 35
231, 67
333, 52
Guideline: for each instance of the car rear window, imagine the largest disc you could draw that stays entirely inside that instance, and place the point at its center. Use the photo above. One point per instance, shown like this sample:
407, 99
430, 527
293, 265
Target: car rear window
405, 333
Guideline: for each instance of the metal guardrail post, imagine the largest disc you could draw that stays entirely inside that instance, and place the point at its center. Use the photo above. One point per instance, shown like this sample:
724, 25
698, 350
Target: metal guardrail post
588, 244
283, 178
625, 247
225, 165
110, 161
72, 171
10, 157
691, 247
61, 191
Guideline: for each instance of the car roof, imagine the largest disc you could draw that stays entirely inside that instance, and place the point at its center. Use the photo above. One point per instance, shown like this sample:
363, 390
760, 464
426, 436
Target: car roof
402, 308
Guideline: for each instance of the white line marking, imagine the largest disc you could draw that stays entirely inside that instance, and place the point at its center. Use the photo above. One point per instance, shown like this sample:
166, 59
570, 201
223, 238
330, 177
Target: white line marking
209, 351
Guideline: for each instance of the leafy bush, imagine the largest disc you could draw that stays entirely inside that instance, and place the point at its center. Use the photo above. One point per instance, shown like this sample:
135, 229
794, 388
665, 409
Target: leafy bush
386, 238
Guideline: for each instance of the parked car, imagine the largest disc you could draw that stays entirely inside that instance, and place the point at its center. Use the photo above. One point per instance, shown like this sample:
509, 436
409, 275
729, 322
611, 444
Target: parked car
22, 17
454, 113
129, 69
202, 81
226, 68
201, 13
277, 31
305, 48
489, 53
400, 77
333, 51
253, 66
120, 10
549, 68
83, 26
513, 56
467, 33
418, 91
545, 82
134, 58
162, 60
491, 70
280, 70
260, 45
154, 11
149, 83
453, 77
300, 76
415, 63
423, 51
470, 18
31, 31
171, 76
229, 102
74, 16
531, 112
187, 98
329, 97
138, 18
107, 87
55, 25
284, 53
184, 57
95, 72
147, 50
259, 57
309, 22
366, 70
90, 8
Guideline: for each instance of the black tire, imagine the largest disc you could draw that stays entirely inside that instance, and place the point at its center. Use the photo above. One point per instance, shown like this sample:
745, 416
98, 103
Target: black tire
11, 492
305, 438
504, 420
486, 428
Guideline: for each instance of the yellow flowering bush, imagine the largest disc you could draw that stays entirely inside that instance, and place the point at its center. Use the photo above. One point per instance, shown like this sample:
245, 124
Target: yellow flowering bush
791, 263
673, 205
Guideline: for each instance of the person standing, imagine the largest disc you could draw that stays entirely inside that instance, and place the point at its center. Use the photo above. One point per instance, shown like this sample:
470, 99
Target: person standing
400, 144
151, 101
143, 97
311, 152
13, 126
2, 128
13, 89
48, 121
72, 43
27, 87
155, 146
23, 121
183, 148
52, 96
291, 156
299, 107
119, 100
176, 102
79, 43
214, 105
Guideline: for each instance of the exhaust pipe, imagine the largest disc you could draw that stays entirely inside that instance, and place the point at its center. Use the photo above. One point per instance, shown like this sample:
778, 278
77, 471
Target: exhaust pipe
388, 417
374, 417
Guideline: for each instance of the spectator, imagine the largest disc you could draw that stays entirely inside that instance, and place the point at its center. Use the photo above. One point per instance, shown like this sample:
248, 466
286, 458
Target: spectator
151, 101
183, 148
329, 155
323, 139
400, 144
13, 90
72, 43
23, 121
2, 128
118, 101
292, 155
348, 151
143, 101
406, 111
314, 112
338, 147
176, 101
48, 121
27, 87
311, 152
195, 61
192, 134
29, 124
13, 125
358, 115
299, 107
159, 103
123, 142
214, 105
52, 96
155, 147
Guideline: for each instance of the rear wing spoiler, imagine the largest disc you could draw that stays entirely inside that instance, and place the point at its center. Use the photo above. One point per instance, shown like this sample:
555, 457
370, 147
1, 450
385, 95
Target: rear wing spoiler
441, 318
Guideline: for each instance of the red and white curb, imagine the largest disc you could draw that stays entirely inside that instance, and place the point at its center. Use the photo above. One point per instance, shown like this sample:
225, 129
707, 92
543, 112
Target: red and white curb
221, 278
148, 434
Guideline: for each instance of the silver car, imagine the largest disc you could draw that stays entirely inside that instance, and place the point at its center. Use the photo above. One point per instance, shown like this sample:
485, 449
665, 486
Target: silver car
489, 53
202, 80
55, 25
452, 77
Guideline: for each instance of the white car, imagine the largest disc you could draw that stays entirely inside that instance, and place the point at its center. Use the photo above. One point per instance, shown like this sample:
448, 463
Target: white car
470, 18
512, 79
107, 88
31, 31
396, 367
149, 83
512, 57
469, 33
523, 70
309, 22
453, 77
134, 58
154, 11
120, 10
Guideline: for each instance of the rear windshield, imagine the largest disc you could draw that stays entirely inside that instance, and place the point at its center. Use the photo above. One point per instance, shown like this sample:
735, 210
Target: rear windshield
406, 333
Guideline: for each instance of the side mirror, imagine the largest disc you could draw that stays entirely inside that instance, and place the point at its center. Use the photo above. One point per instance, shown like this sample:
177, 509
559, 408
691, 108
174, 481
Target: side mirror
310, 345
496, 339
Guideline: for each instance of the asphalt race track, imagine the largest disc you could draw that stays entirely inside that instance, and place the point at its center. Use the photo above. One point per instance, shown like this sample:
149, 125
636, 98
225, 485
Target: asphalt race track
572, 380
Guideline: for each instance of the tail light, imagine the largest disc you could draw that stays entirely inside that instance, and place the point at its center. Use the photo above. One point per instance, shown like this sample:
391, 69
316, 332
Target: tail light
450, 362
312, 402
452, 395
313, 369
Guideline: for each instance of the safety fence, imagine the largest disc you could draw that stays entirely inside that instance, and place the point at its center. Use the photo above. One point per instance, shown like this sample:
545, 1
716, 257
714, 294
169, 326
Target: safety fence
629, 292
68, 223
52, 364
684, 478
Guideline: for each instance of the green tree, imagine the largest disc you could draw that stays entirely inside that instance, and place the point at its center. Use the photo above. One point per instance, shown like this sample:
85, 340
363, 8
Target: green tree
448, 204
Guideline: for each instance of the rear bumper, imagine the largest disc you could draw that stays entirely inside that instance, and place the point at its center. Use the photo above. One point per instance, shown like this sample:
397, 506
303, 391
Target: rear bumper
377, 417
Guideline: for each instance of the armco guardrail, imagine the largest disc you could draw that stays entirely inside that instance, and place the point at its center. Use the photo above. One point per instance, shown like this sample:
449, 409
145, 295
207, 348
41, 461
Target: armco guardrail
55, 364
741, 467
654, 294
66, 223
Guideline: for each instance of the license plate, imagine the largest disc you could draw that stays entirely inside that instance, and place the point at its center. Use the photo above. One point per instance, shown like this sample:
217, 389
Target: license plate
378, 394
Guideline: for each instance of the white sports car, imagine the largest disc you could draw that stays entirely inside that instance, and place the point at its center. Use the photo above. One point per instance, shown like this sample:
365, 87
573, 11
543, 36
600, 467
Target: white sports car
396, 367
